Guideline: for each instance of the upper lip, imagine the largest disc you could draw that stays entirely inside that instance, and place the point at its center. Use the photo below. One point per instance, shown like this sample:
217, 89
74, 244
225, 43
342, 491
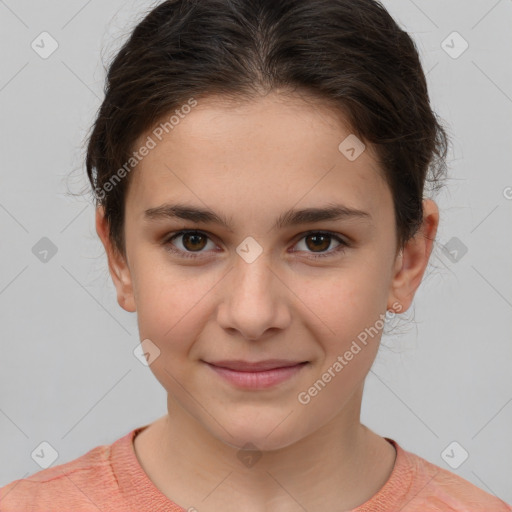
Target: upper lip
269, 364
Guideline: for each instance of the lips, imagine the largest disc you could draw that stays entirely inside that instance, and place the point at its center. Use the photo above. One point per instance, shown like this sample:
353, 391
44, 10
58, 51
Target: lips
257, 376
260, 366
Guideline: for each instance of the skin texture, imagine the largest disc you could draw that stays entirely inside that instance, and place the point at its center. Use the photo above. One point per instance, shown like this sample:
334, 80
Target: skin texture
251, 162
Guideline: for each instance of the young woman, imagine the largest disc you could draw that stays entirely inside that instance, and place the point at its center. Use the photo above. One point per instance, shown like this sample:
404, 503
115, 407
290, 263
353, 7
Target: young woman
259, 168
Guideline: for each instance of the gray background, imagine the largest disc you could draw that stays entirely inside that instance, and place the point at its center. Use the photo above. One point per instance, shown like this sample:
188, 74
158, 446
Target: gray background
68, 375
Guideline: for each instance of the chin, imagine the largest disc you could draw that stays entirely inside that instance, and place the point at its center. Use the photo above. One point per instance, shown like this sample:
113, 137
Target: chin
261, 434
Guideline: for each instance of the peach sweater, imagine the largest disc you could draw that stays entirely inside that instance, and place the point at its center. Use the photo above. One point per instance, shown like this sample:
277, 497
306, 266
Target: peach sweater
109, 478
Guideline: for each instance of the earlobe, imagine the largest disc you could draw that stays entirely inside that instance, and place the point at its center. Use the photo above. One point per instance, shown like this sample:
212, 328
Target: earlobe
118, 267
412, 260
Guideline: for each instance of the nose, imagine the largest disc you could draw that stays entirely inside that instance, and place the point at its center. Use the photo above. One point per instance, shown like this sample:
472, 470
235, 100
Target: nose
255, 300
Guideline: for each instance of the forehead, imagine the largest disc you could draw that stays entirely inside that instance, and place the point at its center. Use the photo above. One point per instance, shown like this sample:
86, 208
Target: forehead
257, 155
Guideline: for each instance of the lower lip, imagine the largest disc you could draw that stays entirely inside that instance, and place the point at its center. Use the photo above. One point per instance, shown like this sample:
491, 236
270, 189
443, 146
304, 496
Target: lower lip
257, 380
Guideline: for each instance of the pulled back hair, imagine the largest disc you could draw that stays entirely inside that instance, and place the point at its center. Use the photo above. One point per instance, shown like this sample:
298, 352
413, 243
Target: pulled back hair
348, 52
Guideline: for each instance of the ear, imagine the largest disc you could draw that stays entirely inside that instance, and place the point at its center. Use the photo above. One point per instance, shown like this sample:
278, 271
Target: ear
117, 265
412, 260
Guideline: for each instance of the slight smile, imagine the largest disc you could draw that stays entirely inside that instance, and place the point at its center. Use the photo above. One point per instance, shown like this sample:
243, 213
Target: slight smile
256, 375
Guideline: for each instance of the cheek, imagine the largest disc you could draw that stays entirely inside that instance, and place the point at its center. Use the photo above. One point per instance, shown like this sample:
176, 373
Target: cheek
352, 309
348, 300
170, 304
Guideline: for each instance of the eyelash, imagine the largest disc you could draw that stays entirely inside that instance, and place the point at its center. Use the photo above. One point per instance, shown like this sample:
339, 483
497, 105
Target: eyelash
171, 248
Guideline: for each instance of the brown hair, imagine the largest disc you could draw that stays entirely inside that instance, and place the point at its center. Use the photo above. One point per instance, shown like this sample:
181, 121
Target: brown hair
349, 52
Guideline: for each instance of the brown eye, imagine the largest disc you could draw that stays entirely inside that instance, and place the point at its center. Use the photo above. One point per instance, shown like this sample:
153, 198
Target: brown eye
320, 242
194, 241
317, 244
192, 244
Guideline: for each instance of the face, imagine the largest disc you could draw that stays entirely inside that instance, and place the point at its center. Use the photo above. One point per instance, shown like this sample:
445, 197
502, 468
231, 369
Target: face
267, 283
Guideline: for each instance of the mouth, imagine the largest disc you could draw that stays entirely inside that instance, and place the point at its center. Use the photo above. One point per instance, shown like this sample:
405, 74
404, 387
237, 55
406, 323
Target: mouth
246, 366
257, 375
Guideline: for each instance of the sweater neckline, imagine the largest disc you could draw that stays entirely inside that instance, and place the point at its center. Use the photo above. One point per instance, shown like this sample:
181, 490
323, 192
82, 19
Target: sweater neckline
139, 491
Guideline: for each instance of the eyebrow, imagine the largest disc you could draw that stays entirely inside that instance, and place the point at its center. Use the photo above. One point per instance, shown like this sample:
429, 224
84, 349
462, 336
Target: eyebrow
289, 218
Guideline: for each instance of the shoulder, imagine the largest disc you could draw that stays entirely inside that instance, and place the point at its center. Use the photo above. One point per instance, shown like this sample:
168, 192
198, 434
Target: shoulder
435, 489
78, 483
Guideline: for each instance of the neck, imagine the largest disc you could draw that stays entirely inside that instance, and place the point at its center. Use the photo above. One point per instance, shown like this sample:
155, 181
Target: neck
339, 466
